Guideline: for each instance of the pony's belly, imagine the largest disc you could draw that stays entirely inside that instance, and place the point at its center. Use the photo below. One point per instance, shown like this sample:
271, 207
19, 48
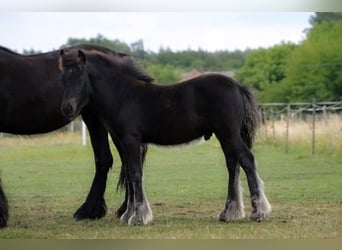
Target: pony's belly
181, 145
177, 137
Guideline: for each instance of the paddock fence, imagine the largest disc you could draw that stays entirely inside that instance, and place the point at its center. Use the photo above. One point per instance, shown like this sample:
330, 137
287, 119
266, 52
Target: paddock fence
300, 121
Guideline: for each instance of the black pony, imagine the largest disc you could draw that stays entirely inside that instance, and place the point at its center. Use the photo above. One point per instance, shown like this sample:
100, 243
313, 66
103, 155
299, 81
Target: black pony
135, 112
30, 103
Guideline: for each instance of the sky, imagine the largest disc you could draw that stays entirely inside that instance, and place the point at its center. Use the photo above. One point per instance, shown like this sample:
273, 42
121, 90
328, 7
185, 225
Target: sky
211, 31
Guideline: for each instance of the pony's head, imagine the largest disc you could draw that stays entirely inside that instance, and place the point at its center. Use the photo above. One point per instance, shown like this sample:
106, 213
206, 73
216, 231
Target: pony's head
75, 81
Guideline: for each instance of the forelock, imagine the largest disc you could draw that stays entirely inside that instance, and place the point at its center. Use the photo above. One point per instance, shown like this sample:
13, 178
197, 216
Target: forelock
69, 58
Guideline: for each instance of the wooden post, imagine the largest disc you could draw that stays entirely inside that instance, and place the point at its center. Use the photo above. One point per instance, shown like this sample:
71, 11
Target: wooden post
313, 126
72, 126
325, 117
287, 128
264, 112
273, 127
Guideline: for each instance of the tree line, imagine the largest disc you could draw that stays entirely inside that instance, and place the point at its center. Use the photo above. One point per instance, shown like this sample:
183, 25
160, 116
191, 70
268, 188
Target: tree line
167, 66
285, 72
290, 72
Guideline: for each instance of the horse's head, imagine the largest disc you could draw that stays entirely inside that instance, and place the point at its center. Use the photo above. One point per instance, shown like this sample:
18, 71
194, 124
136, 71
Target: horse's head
75, 81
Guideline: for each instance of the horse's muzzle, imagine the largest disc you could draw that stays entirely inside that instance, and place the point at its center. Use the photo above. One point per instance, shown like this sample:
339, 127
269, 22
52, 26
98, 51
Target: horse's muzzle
68, 109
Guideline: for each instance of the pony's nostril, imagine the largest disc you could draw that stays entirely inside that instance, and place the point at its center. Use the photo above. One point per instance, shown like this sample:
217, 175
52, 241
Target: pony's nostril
67, 109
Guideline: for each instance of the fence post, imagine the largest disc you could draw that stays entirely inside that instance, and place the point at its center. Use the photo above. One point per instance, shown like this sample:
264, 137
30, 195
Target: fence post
287, 128
72, 127
325, 117
84, 134
273, 127
313, 125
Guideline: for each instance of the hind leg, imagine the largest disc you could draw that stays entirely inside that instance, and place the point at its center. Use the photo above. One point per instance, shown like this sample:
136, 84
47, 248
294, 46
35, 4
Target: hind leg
3, 208
234, 208
260, 205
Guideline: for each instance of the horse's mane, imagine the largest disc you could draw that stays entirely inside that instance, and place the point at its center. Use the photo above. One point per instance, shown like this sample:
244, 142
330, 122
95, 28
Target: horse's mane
126, 66
124, 63
8, 50
96, 48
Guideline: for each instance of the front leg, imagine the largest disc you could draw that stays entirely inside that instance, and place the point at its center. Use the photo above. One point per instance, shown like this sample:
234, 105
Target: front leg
138, 210
95, 206
123, 182
3, 208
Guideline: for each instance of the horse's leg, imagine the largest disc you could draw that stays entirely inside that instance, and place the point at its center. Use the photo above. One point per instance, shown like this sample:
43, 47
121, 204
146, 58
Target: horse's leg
138, 209
95, 206
129, 215
260, 205
123, 207
129, 210
234, 208
3, 208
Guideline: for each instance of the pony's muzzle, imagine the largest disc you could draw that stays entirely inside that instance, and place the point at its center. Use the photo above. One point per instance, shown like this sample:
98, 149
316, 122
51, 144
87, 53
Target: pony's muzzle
68, 108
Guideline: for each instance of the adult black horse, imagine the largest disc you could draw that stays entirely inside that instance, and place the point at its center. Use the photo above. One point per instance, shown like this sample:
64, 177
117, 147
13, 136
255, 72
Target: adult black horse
30, 103
136, 113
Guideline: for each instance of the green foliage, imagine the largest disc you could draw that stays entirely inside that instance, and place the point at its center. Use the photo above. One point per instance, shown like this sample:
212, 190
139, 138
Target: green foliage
320, 17
288, 72
100, 40
314, 69
201, 59
264, 69
31, 52
164, 74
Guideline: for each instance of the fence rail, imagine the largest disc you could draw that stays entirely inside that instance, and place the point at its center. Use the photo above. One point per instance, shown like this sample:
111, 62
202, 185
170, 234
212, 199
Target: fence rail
302, 111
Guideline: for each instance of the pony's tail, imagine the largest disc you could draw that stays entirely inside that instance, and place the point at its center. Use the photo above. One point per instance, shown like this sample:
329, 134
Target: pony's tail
251, 120
122, 182
122, 179
3, 208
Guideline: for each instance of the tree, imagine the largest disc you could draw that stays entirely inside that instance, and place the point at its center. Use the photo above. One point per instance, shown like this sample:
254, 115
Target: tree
264, 69
115, 45
314, 69
31, 52
164, 74
320, 17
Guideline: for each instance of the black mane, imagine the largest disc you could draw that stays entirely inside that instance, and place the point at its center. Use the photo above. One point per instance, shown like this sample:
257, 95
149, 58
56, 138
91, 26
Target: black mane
8, 50
122, 62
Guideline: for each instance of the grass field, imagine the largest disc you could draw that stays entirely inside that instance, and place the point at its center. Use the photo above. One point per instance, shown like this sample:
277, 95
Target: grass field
46, 179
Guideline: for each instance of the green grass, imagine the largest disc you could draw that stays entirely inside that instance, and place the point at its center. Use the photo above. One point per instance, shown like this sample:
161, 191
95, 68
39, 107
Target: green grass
46, 179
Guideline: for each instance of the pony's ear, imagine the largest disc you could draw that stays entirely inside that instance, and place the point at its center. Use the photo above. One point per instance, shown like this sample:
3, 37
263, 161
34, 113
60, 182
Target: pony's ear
60, 60
81, 59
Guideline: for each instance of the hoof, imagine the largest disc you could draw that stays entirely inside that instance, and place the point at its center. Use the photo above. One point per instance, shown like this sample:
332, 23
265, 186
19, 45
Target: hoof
141, 215
3, 222
135, 220
91, 212
258, 217
121, 210
234, 211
